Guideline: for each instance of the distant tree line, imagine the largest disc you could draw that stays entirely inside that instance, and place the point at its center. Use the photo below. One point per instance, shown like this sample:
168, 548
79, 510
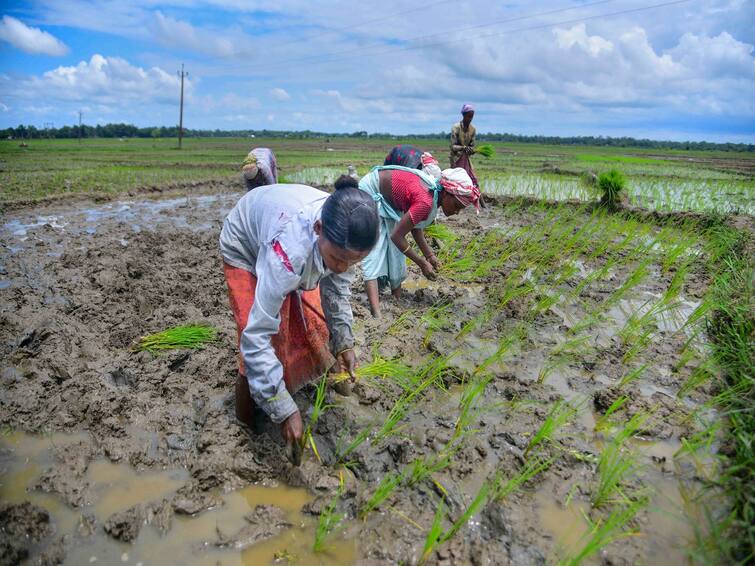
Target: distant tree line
130, 131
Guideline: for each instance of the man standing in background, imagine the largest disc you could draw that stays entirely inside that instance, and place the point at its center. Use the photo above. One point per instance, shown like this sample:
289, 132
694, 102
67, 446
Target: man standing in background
462, 142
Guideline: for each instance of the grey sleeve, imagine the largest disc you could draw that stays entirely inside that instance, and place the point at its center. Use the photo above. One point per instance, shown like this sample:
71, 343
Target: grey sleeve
335, 291
264, 372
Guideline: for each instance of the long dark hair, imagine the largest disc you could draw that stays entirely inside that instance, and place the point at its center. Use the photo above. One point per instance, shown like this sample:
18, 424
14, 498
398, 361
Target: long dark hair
350, 216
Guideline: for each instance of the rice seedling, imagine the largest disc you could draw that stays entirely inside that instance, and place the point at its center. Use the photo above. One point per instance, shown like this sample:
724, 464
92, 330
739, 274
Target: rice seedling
392, 370
383, 490
616, 463
532, 467
632, 376
561, 413
329, 520
191, 336
318, 408
472, 391
401, 322
562, 354
477, 503
442, 233
355, 443
434, 534
437, 317
604, 532
486, 150
701, 374
604, 422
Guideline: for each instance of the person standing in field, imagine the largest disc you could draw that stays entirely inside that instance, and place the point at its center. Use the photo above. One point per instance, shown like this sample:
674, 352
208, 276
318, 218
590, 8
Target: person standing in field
408, 201
279, 244
462, 142
412, 157
260, 168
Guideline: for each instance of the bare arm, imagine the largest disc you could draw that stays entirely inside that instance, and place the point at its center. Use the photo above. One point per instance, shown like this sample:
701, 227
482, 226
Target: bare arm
398, 237
419, 236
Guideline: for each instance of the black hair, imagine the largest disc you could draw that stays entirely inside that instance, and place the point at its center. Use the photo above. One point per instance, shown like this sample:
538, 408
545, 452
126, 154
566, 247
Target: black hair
350, 216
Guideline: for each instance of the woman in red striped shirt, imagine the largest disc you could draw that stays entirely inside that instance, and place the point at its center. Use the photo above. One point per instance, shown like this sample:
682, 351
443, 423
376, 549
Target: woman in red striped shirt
408, 201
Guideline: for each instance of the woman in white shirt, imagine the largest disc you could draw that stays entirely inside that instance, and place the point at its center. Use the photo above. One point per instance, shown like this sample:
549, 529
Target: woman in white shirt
278, 244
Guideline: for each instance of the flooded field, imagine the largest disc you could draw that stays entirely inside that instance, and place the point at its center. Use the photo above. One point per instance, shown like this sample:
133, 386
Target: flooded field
547, 399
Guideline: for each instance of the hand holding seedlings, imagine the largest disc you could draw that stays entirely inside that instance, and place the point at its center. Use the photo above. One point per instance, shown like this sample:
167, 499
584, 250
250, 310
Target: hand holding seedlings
428, 270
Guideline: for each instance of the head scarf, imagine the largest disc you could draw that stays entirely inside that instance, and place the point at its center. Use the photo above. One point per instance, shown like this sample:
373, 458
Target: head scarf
467, 108
457, 182
430, 165
249, 167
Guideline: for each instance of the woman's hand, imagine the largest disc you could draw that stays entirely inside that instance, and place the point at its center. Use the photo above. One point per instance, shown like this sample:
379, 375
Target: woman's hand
348, 362
292, 428
434, 262
427, 270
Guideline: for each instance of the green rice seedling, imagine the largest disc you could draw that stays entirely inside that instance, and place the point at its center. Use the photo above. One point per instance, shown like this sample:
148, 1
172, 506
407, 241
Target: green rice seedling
401, 322
560, 414
191, 336
701, 374
604, 422
437, 317
384, 489
562, 354
486, 150
504, 346
617, 462
634, 279
467, 412
532, 467
434, 534
329, 520
610, 186
632, 376
318, 408
477, 503
423, 467
603, 533
356, 442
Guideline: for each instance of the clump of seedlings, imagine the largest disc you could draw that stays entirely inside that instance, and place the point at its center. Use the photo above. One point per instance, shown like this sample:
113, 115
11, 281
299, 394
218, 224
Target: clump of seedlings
329, 521
611, 184
486, 150
192, 336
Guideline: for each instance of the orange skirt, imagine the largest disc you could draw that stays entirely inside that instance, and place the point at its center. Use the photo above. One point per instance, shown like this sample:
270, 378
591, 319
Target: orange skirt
301, 344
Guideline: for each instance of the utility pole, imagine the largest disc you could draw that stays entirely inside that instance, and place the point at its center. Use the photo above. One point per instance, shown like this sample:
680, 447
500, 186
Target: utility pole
181, 74
79, 126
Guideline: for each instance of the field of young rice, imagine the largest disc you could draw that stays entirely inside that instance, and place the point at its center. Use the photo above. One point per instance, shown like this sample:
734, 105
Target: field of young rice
575, 388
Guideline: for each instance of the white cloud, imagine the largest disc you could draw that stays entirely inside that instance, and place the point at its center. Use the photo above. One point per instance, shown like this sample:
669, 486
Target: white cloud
593, 45
279, 94
3, 107
178, 34
30, 40
104, 80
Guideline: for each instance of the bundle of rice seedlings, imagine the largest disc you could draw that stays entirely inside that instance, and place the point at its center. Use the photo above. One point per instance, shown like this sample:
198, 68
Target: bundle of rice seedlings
610, 186
188, 336
486, 150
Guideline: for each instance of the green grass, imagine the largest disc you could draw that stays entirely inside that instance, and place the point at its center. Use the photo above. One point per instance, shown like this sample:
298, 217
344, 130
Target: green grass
190, 336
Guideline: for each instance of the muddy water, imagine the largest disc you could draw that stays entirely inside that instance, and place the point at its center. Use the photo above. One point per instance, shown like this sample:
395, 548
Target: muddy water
118, 487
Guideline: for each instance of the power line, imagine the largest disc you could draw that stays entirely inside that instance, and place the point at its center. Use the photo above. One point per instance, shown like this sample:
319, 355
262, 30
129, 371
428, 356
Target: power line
354, 52
444, 33
338, 30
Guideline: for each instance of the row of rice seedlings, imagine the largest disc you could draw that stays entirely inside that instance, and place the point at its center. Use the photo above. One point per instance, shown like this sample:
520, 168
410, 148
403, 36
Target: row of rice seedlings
616, 463
560, 414
329, 521
495, 489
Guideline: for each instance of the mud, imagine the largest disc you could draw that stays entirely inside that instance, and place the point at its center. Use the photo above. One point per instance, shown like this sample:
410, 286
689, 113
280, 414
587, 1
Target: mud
132, 452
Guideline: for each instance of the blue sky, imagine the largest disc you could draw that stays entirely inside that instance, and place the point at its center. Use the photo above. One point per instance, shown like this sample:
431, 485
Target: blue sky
683, 71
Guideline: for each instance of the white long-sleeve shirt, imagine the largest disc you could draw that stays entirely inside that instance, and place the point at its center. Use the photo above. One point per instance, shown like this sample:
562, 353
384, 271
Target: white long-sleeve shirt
270, 232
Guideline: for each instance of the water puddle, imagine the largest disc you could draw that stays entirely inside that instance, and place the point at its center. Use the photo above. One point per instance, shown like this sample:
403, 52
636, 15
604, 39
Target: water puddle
190, 539
194, 213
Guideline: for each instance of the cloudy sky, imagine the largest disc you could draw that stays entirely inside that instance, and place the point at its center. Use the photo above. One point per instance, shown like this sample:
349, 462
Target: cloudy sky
681, 70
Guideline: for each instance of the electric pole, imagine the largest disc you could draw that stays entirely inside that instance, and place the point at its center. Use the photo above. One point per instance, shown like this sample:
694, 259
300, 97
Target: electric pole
79, 126
181, 74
